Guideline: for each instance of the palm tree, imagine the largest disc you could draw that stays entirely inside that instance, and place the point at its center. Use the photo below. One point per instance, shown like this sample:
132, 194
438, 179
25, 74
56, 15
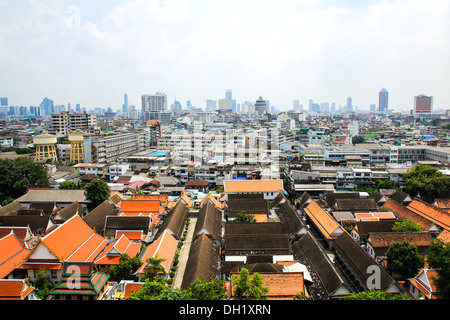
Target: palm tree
154, 268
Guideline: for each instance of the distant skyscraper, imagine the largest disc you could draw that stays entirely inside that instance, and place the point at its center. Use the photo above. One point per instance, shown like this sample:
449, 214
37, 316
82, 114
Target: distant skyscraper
349, 104
47, 106
423, 105
260, 106
383, 98
125, 103
229, 96
4, 102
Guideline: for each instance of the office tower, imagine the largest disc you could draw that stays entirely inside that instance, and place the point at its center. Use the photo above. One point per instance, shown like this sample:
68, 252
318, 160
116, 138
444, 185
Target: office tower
3, 101
260, 106
47, 106
310, 104
349, 104
175, 106
211, 105
154, 102
125, 103
229, 94
423, 105
383, 98
297, 105
373, 107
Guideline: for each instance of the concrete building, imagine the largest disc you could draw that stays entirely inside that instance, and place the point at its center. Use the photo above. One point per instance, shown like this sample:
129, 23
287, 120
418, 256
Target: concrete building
64, 123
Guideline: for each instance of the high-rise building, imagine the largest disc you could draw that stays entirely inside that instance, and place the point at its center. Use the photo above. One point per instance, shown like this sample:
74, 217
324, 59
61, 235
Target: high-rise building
423, 105
154, 102
349, 104
260, 106
47, 106
125, 103
383, 98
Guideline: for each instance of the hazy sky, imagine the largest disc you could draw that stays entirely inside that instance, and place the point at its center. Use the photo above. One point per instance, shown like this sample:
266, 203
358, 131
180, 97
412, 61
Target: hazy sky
93, 51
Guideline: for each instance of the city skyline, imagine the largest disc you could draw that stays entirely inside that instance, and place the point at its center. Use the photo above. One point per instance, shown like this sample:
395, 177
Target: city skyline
92, 52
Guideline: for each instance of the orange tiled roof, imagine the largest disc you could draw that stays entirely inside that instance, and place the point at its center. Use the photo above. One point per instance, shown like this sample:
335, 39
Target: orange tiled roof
111, 254
137, 207
163, 248
74, 241
431, 213
323, 221
161, 197
14, 289
406, 214
425, 283
253, 185
11, 254
213, 200
384, 239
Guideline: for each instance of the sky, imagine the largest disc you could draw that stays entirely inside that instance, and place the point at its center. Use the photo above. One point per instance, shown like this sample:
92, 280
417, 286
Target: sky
92, 52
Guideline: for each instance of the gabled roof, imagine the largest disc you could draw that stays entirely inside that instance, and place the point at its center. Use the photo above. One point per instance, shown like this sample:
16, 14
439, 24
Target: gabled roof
113, 224
140, 207
74, 241
15, 289
355, 205
400, 197
406, 214
12, 253
175, 220
430, 212
329, 227
253, 186
53, 195
443, 204
382, 240
11, 208
209, 221
424, 281
163, 248
329, 282
359, 262
68, 212
112, 252
97, 217
209, 197
203, 262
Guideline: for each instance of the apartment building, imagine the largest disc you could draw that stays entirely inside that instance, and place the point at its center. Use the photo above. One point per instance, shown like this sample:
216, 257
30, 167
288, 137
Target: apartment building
117, 147
64, 123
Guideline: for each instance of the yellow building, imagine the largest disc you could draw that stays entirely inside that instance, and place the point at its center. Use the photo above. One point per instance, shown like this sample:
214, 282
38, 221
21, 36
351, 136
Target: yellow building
76, 147
45, 146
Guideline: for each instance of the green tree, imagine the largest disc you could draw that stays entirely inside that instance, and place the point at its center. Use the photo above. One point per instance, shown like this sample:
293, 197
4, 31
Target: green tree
438, 257
126, 267
244, 217
358, 139
18, 175
43, 284
151, 290
403, 258
203, 290
154, 268
97, 191
376, 295
70, 185
429, 182
406, 226
248, 288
